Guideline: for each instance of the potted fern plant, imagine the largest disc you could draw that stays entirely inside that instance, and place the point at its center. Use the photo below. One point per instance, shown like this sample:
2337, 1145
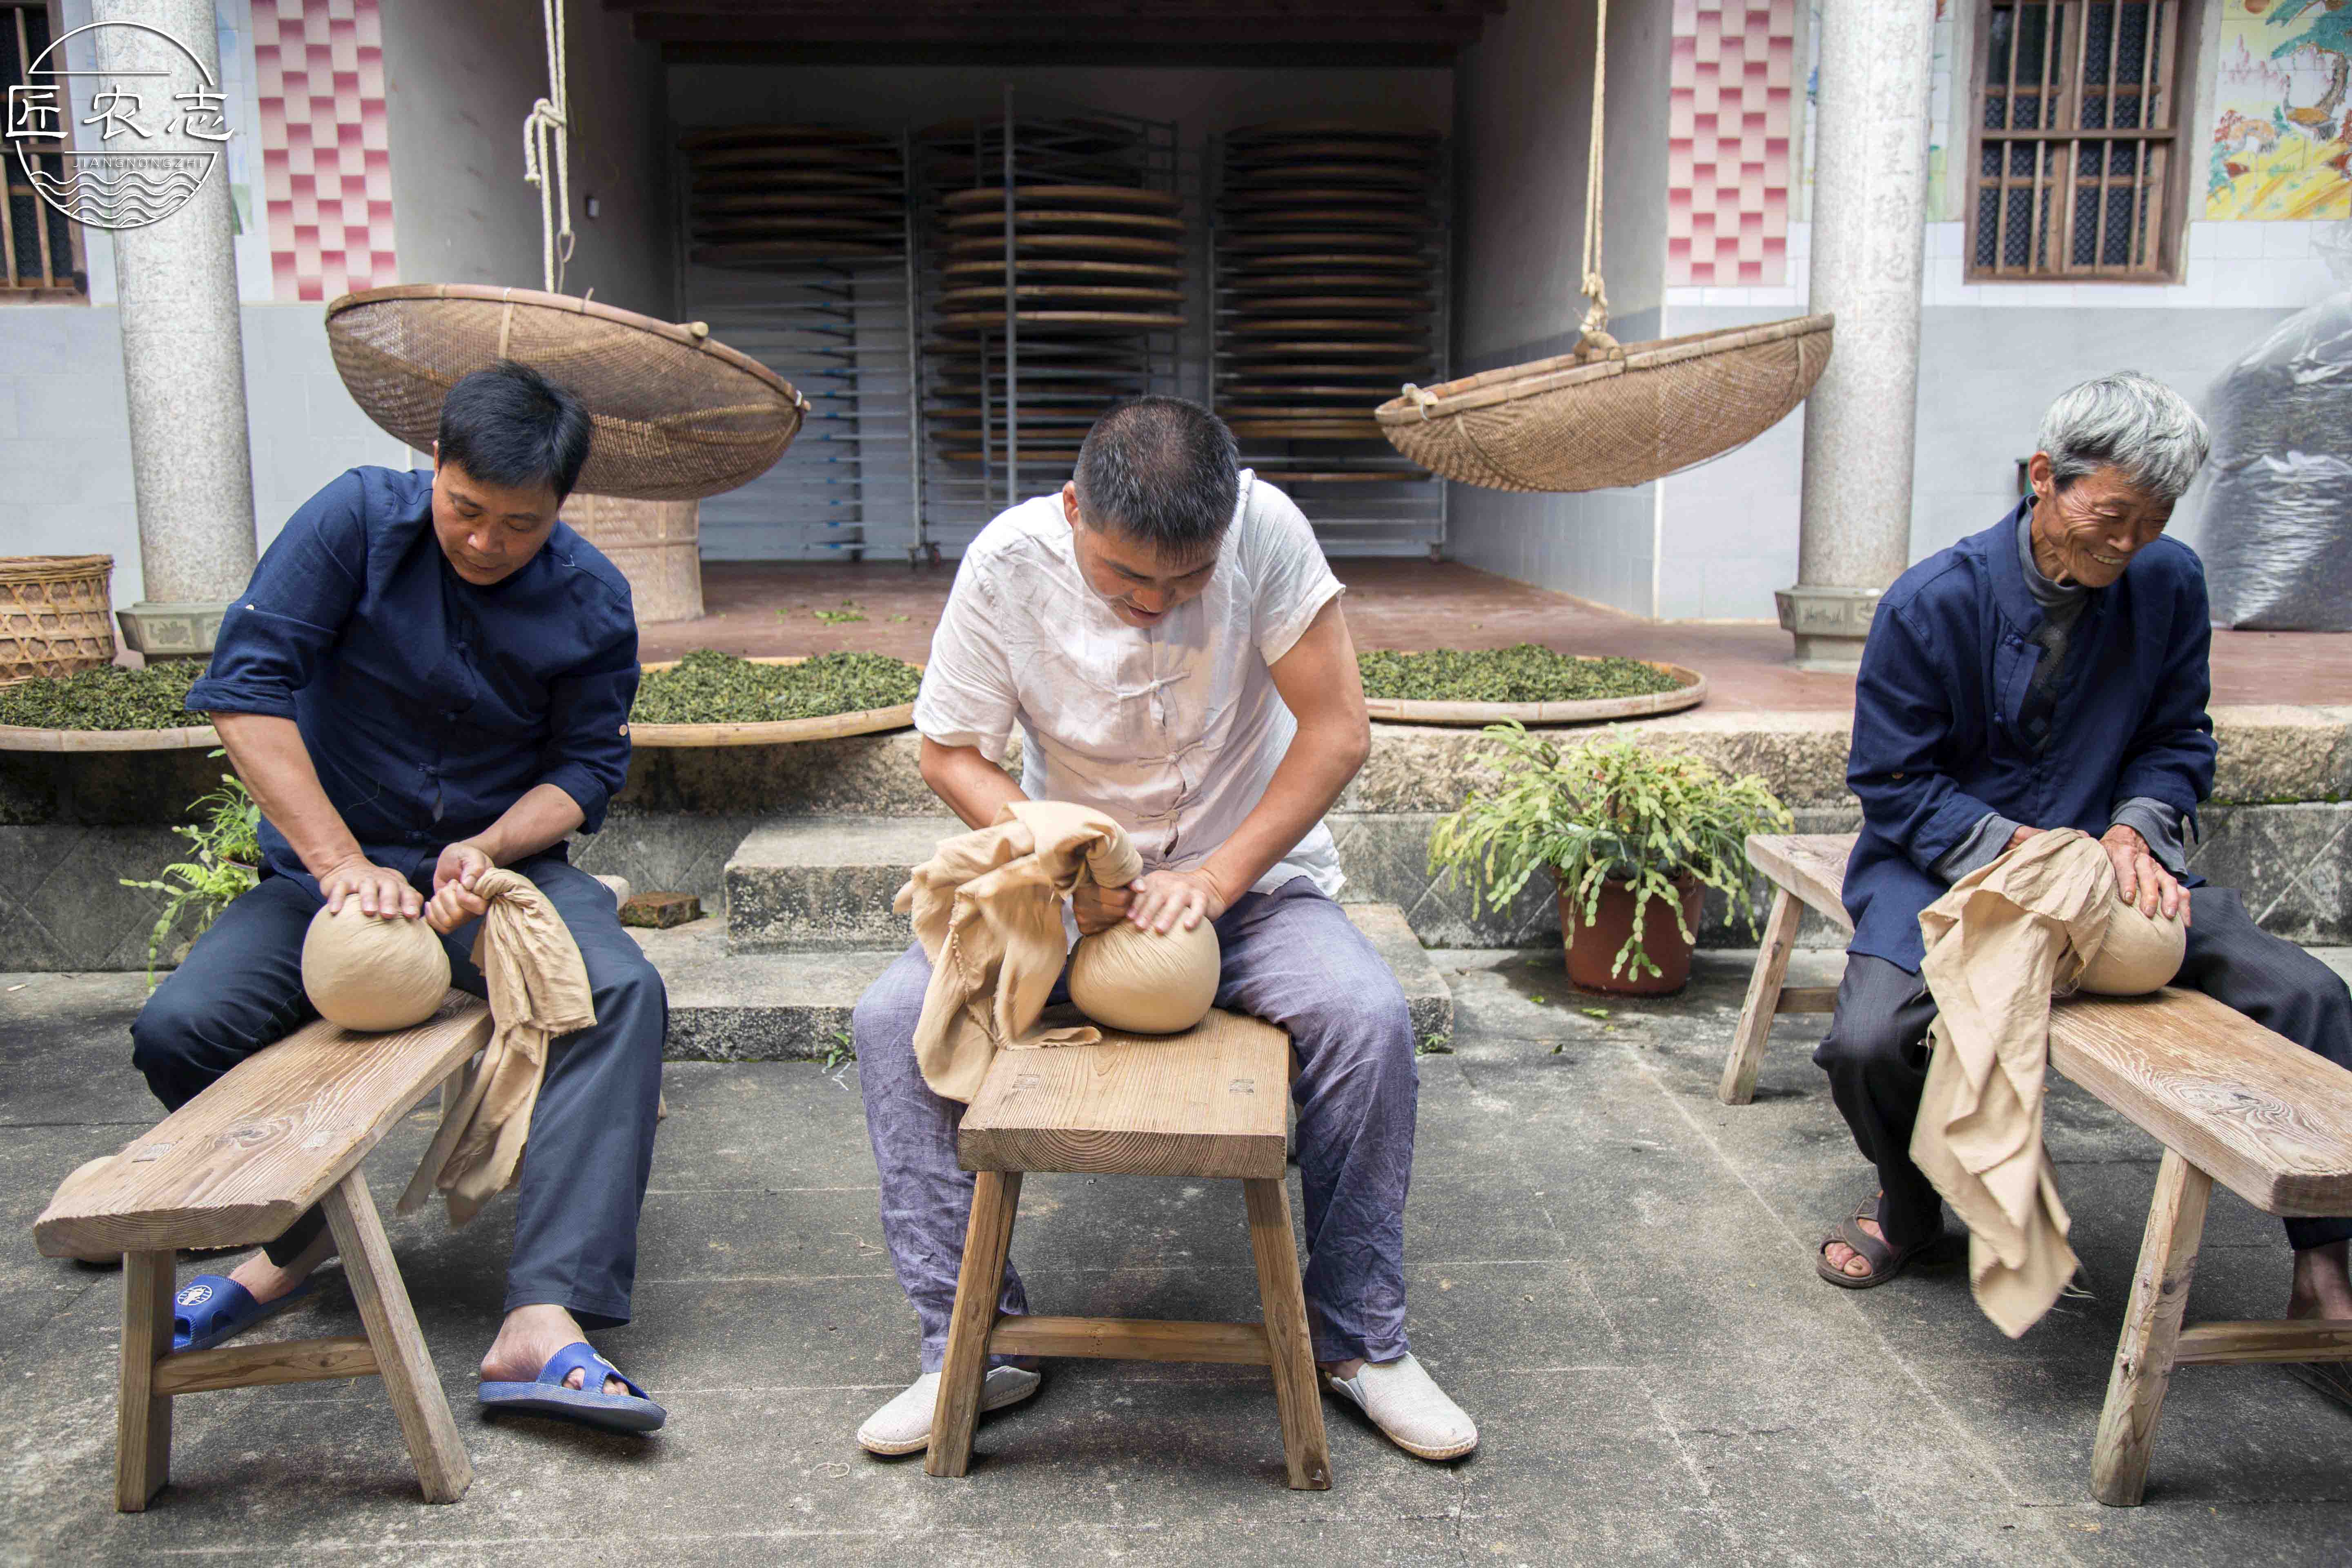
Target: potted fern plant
1633, 838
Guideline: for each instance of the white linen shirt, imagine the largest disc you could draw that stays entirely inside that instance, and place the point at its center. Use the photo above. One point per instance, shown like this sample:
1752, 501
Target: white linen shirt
1173, 730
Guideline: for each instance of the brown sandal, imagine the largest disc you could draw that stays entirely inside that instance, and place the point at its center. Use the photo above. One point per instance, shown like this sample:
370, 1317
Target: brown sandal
1885, 1262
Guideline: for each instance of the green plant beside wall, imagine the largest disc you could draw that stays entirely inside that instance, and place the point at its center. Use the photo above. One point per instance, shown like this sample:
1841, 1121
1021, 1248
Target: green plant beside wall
1606, 810
227, 843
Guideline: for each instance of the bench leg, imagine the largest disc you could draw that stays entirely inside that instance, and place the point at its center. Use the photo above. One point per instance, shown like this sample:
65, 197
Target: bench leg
987, 1242
2143, 1369
402, 1361
143, 1432
1306, 1451
1738, 1086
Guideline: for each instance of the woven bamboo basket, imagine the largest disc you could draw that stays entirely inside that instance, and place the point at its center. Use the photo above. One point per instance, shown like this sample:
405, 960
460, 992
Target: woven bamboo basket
677, 416
1625, 415
57, 614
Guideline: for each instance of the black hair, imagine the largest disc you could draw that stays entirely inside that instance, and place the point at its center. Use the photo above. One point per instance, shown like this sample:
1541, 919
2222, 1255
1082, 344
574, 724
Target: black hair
512, 425
1161, 472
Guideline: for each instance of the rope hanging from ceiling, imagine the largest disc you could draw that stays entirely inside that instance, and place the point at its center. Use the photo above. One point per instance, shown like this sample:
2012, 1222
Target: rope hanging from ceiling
1609, 414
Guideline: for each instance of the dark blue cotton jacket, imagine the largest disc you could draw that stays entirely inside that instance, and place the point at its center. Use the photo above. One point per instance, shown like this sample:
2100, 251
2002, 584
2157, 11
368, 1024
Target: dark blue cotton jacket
1936, 742
429, 705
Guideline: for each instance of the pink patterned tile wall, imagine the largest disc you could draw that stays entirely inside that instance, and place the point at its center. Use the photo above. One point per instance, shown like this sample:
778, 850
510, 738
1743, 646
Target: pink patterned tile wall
326, 164
1731, 104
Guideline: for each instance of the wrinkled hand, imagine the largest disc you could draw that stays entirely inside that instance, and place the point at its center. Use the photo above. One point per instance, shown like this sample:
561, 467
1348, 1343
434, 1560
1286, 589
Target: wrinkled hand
2021, 835
1098, 908
2141, 877
454, 875
1163, 900
382, 892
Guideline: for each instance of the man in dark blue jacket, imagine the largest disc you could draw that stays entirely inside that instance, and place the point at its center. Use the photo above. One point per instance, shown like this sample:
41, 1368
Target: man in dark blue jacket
2048, 672
429, 676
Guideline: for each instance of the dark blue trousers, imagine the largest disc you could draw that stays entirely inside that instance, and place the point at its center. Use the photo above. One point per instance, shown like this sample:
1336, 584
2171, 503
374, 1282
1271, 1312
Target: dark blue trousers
592, 1134
1876, 1051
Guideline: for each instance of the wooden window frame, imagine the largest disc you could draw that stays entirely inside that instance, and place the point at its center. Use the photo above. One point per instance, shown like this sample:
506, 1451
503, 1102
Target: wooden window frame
2167, 76
45, 287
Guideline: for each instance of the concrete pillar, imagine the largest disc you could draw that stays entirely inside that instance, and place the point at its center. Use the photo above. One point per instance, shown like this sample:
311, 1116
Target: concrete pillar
1870, 181
182, 351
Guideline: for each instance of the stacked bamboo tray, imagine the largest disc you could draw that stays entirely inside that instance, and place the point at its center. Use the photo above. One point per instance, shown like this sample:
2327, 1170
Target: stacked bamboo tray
1328, 268
1096, 287
767, 196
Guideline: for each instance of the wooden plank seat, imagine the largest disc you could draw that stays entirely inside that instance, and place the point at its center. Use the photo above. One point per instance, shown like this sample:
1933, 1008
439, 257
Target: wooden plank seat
2230, 1100
1211, 1103
286, 1129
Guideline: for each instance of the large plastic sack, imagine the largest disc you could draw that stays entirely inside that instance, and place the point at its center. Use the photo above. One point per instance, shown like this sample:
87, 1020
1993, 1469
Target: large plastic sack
2278, 519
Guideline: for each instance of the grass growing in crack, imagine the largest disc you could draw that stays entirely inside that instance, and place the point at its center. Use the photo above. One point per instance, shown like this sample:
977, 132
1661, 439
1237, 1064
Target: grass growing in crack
839, 1049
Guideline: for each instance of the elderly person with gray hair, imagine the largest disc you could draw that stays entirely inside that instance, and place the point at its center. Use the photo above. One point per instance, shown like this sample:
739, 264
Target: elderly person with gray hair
2047, 673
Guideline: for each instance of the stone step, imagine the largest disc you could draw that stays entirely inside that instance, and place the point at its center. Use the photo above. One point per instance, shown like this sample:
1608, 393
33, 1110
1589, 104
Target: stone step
824, 883
728, 1006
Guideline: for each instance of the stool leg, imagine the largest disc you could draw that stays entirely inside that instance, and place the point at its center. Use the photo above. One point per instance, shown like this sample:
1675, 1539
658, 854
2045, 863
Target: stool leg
1738, 1086
987, 1241
415, 1388
1306, 1451
2143, 1369
143, 1431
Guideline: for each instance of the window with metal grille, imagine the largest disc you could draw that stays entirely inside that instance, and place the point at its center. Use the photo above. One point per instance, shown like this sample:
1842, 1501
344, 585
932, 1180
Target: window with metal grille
2074, 175
37, 256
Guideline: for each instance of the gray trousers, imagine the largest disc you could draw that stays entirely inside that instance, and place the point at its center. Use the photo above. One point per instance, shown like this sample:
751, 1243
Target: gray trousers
592, 1134
1291, 957
1876, 1051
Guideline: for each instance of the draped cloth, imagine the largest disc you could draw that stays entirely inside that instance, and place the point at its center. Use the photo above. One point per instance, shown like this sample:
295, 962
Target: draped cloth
987, 908
537, 989
1998, 943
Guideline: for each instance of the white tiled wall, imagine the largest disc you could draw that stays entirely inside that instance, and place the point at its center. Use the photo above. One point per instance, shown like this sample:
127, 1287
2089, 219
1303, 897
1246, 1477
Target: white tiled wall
2229, 265
65, 433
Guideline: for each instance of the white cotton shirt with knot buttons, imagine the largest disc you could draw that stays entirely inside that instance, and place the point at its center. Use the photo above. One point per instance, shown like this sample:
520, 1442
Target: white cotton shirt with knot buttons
1173, 729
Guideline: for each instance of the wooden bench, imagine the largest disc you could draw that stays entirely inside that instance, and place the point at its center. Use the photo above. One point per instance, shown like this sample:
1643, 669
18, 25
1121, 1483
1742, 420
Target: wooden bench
1207, 1103
286, 1129
2230, 1100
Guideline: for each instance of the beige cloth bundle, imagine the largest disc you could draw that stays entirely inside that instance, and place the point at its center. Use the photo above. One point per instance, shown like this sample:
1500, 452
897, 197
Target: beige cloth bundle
1999, 942
537, 989
987, 908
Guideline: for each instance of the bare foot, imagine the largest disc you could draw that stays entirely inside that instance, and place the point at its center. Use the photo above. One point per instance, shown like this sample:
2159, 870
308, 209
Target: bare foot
1343, 1370
267, 1281
2322, 1287
1845, 1259
529, 1340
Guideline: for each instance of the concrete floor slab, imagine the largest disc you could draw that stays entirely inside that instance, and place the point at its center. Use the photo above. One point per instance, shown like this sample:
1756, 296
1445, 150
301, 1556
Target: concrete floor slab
1609, 1270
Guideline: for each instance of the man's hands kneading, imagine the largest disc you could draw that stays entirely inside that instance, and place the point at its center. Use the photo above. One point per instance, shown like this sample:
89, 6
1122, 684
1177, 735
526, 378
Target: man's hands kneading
454, 875
380, 891
1157, 900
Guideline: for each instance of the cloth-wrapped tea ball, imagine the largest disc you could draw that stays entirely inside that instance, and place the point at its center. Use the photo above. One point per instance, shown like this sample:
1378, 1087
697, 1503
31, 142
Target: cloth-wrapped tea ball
1146, 982
2141, 952
371, 973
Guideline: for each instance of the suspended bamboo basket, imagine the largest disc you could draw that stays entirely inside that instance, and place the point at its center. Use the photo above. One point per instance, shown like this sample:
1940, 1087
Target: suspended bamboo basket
1609, 414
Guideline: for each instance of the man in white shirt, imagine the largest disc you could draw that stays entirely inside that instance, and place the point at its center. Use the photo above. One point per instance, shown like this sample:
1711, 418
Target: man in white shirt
1166, 634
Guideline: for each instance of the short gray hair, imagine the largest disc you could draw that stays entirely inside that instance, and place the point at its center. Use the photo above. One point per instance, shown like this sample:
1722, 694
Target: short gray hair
2128, 421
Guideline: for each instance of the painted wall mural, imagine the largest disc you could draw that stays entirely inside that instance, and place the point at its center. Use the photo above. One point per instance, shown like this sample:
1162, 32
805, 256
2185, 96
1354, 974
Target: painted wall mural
2281, 123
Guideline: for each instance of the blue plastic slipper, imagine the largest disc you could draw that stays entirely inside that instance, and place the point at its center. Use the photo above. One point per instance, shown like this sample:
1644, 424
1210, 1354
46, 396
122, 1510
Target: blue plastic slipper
630, 1412
210, 1308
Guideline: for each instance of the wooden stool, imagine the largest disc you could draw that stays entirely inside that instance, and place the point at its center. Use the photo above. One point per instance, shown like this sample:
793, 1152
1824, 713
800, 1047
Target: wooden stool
1207, 1103
283, 1129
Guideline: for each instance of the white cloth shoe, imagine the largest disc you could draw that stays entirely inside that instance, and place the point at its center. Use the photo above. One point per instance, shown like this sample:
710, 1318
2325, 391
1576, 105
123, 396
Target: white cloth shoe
903, 1425
1405, 1403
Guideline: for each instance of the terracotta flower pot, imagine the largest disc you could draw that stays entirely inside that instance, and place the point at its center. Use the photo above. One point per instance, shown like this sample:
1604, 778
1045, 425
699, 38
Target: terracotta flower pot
1593, 947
